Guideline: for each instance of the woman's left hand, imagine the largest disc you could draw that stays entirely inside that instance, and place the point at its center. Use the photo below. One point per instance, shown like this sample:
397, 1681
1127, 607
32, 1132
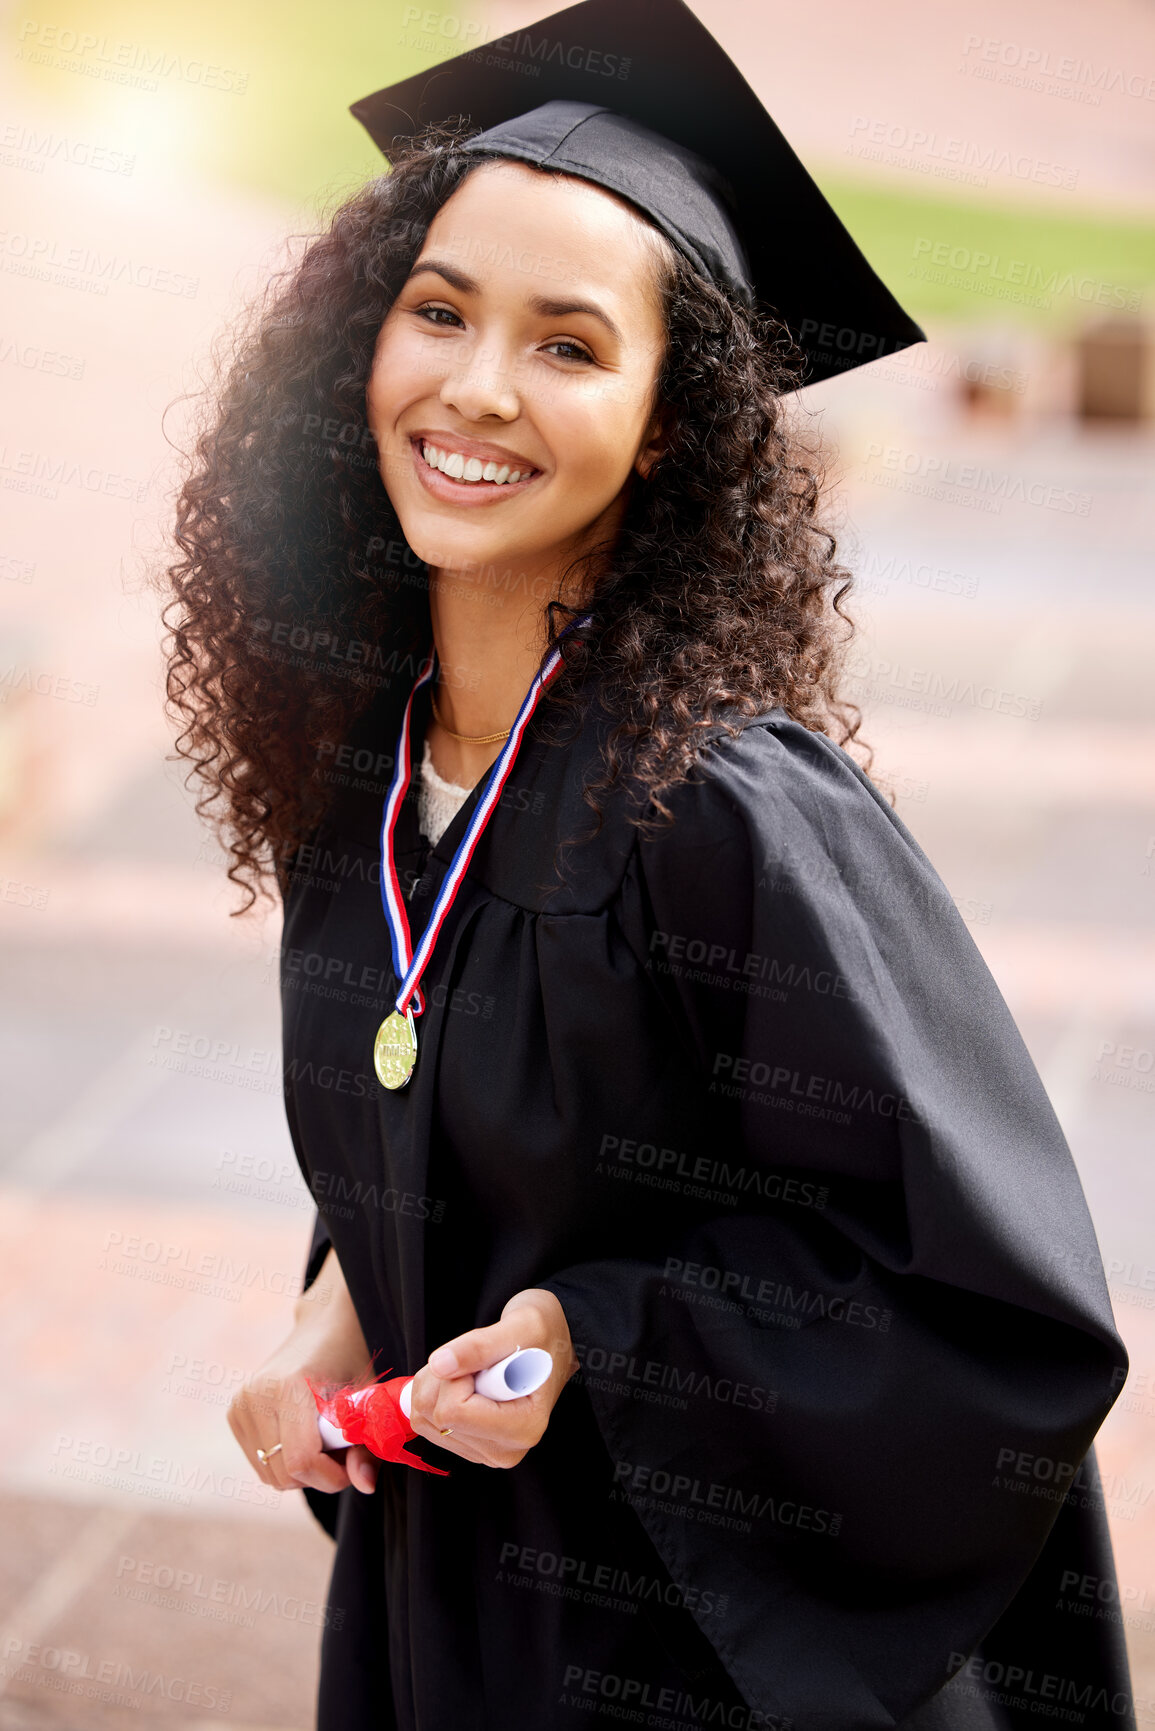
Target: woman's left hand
493, 1433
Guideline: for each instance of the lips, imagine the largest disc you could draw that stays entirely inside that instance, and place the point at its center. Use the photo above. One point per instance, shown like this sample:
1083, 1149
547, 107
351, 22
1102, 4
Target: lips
466, 472
456, 444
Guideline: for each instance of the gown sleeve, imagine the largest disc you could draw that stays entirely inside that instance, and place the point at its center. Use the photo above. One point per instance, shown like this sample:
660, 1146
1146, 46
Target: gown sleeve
321, 1239
318, 1250
895, 1331
322, 1504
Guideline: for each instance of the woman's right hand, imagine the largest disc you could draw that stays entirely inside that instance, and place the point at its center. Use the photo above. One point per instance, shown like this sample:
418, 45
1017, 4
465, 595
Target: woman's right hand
274, 1405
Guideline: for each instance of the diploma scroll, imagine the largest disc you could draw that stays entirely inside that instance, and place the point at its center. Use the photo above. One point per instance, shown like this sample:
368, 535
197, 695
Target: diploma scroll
378, 1415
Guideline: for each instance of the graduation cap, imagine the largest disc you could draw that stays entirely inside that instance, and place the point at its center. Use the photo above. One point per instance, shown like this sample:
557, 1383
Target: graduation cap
638, 97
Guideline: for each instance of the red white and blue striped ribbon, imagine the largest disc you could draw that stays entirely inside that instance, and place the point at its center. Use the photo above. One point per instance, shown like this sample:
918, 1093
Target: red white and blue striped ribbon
410, 964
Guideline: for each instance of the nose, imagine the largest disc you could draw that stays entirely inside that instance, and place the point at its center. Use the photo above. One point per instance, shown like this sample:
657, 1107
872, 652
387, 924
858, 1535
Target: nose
481, 384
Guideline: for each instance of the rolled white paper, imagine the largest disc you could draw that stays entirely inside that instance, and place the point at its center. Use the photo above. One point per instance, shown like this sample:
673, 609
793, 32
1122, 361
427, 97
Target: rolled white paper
521, 1373
518, 1374
331, 1437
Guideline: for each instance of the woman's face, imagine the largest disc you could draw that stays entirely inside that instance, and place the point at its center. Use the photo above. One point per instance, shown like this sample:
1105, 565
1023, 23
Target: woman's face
521, 358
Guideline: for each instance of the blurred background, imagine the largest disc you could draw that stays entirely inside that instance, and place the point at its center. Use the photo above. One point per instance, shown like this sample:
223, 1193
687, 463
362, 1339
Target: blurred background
992, 492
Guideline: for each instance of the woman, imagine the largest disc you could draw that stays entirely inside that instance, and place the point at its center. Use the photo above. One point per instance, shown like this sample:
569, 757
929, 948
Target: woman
661, 1046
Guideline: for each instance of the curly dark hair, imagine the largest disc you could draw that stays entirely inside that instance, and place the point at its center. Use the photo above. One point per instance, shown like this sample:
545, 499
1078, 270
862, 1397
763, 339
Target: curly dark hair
720, 596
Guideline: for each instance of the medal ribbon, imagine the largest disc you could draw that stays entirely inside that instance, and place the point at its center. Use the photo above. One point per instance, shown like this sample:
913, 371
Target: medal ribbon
409, 965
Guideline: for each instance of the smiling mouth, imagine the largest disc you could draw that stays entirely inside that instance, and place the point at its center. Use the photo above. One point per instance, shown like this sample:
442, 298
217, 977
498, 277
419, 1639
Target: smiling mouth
469, 474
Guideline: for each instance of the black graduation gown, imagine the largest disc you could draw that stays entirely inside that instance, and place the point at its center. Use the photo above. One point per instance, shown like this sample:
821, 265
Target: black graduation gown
746, 1098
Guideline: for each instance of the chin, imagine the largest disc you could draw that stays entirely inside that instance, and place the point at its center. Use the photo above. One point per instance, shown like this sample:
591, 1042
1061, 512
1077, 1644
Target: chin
453, 547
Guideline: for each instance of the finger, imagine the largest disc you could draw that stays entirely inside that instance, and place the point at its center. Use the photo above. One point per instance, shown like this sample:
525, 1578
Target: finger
355, 1465
435, 1402
274, 1464
480, 1430
362, 1467
256, 1433
264, 1408
480, 1347
478, 1450
434, 1410
443, 1401
305, 1460
457, 1443
280, 1414
260, 1428
241, 1425
326, 1473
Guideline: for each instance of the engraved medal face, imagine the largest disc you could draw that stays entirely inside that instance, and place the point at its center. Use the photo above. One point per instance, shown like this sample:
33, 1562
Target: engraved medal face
395, 1049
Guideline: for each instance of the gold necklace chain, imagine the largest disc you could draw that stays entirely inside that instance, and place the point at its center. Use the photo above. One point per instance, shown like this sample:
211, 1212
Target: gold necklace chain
466, 738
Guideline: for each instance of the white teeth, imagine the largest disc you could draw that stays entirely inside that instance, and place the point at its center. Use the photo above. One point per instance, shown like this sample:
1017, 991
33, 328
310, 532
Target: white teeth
460, 468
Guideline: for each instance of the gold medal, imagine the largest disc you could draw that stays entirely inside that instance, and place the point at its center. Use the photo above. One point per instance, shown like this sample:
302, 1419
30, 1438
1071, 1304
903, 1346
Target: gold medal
395, 1049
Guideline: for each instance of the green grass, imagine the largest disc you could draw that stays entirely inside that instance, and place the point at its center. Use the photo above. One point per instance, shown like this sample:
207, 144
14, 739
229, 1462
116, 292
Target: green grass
1077, 264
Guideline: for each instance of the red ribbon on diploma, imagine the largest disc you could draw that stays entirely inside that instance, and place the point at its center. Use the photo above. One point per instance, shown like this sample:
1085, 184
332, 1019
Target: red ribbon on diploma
371, 1414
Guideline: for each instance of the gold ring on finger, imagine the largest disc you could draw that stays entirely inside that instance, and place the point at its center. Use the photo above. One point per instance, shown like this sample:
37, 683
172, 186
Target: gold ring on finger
264, 1456
448, 1431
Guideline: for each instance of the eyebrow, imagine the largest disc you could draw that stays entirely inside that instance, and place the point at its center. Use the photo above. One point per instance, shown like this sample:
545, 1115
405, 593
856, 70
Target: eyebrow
541, 304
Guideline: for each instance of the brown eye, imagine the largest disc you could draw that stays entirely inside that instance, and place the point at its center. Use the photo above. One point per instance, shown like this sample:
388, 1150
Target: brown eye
429, 312
578, 352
